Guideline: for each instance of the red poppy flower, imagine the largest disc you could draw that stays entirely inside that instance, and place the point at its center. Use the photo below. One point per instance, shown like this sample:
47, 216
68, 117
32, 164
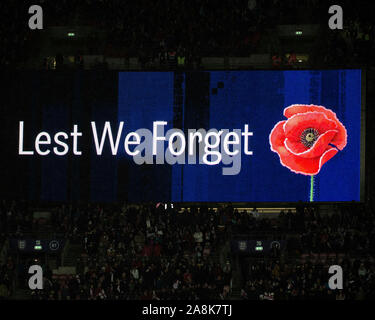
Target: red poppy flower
310, 137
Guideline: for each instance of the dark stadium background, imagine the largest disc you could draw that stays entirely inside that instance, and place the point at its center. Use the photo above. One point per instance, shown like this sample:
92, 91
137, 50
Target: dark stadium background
161, 250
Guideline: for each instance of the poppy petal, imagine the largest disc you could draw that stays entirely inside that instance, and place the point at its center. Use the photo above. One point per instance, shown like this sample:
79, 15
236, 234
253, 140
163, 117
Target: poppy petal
319, 147
306, 166
303, 108
277, 136
340, 139
295, 125
327, 156
295, 147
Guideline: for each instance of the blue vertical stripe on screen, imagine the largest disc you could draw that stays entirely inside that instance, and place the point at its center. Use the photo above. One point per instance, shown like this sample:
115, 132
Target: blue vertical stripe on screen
145, 97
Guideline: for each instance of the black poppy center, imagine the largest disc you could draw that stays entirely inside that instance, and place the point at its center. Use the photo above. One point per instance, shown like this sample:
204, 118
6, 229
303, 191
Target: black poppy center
309, 136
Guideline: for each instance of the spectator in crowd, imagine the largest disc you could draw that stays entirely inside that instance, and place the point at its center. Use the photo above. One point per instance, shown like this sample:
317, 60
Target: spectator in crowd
148, 252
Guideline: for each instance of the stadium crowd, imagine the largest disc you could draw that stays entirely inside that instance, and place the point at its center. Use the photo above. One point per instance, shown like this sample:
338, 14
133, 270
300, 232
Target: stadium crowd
171, 31
138, 253
18, 43
345, 238
144, 252
302, 280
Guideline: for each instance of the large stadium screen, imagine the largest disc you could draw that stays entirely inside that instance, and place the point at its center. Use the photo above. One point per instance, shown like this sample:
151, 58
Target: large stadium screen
205, 136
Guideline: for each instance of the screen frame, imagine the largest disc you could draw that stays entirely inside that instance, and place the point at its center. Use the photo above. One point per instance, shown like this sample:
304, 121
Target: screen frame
364, 192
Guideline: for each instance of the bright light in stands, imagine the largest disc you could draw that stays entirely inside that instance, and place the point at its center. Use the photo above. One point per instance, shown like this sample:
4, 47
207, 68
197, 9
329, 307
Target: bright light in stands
37, 245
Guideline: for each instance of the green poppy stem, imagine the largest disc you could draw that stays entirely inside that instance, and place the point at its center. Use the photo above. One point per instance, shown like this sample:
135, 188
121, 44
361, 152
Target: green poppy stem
312, 189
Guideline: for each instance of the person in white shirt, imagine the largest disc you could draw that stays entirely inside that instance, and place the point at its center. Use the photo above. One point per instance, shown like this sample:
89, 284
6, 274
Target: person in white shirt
198, 236
135, 273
